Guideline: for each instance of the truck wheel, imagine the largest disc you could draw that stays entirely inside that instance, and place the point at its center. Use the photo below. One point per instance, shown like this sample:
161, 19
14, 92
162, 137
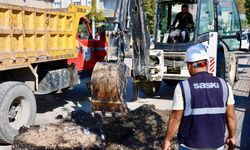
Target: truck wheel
232, 70
226, 66
17, 108
149, 87
237, 77
135, 93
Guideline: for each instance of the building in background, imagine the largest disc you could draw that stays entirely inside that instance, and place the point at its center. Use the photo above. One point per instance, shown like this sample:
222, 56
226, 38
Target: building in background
107, 7
66, 3
30, 3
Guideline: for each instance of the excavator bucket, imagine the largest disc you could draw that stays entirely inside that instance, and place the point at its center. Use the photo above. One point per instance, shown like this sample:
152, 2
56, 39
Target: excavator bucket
109, 79
108, 87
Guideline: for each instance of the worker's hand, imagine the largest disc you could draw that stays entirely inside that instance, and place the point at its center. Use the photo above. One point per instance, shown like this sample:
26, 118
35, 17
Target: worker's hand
172, 27
231, 143
166, 145
189, 26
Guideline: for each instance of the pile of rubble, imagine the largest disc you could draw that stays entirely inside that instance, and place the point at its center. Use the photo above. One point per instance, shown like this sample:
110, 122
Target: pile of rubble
57, 136
143, 128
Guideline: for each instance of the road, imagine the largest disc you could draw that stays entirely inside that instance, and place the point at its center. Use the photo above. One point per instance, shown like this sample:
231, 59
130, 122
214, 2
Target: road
50, 106
241, 91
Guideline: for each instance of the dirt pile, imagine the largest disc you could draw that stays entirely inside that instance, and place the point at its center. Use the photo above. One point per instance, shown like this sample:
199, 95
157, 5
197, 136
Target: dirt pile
57, 136
143, 128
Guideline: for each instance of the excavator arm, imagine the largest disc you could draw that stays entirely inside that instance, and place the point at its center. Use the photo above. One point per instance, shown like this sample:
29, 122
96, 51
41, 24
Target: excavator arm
109, 78
130, 21
140, 38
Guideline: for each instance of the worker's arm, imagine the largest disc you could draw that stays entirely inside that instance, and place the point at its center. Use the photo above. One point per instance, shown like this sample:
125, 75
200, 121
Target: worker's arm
173, 125
175, 117
190, 24
231, 119
231, 125
175, 20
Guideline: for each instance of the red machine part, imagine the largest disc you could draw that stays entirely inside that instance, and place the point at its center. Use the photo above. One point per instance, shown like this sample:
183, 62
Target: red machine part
89, 50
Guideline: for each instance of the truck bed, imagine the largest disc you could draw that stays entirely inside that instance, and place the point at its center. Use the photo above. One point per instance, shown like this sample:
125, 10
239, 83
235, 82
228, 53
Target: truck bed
33, 35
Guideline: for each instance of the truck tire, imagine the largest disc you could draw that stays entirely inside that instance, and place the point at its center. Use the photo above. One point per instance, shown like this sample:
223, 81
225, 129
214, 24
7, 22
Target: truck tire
226, 66
237, 77
17, 109
149, 87
135, 93
232, 70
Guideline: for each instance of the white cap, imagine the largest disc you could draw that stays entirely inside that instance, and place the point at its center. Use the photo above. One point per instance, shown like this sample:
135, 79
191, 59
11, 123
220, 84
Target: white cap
196, 52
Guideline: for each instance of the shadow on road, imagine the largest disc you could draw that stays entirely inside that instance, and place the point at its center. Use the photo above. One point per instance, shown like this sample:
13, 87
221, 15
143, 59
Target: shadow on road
80, 97
243, 104
242, 52
165, 92
244, 66
245, 134
50, 102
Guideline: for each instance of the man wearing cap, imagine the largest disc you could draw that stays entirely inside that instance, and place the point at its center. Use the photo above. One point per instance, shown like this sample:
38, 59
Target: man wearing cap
202, 106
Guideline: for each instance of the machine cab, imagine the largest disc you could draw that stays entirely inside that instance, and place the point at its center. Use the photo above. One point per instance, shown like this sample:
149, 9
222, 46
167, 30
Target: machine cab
208, 16
89, 50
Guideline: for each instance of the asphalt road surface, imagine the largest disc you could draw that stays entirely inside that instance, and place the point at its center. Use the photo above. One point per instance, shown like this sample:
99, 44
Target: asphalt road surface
241, 91
52, 105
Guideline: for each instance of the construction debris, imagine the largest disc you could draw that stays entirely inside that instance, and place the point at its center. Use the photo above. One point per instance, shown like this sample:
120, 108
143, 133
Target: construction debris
142, 128
57, 137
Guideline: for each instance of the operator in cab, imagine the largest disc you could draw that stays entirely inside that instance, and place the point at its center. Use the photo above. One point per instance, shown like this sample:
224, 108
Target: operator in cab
203, 106
185, 24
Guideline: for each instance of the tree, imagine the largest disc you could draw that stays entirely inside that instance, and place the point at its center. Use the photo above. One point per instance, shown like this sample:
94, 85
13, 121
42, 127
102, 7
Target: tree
240, 5
98, 15
150, 6
247, 7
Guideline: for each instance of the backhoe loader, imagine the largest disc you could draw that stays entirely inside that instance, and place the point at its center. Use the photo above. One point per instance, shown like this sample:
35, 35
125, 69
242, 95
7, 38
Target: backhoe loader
217, 25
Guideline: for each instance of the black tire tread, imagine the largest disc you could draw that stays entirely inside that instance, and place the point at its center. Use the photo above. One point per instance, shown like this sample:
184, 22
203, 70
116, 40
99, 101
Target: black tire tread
227, 65
224, 50
4, 88
147, 87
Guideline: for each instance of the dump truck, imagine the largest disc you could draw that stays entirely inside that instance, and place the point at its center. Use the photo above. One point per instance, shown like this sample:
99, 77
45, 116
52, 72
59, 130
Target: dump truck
217, 25
41, 51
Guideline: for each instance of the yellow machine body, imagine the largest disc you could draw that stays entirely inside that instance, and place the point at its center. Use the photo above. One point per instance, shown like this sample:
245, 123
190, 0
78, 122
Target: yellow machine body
33, 35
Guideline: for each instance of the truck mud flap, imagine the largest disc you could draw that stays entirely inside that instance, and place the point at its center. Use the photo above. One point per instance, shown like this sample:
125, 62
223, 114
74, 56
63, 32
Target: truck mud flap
56, 80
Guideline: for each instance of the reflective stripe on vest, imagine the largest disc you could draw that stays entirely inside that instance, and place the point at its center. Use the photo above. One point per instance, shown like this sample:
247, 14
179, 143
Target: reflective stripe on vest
202, 111
225, 91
